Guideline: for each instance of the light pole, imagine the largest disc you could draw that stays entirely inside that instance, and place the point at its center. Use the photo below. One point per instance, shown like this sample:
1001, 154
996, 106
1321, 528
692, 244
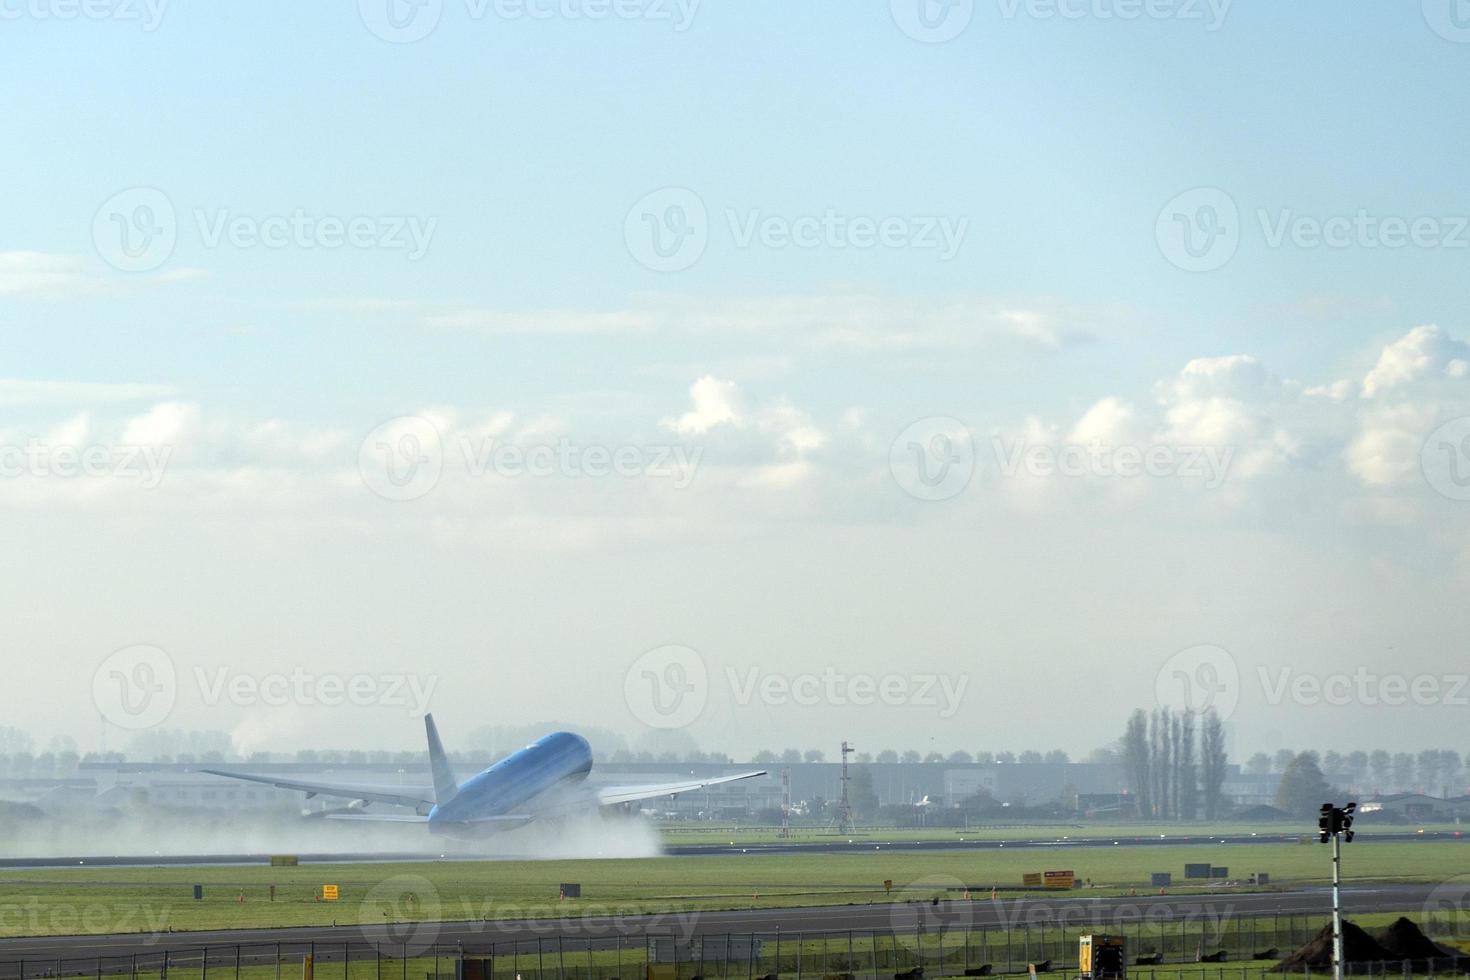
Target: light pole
1334, 824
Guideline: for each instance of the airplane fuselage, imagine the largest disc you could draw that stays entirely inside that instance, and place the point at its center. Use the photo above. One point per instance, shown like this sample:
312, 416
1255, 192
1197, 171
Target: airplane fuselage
553, 762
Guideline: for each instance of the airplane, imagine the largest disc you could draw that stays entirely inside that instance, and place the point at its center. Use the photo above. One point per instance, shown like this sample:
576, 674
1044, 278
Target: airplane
546, 779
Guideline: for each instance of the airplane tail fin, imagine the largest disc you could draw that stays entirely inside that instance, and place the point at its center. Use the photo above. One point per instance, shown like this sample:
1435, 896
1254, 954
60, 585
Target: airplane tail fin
445, 785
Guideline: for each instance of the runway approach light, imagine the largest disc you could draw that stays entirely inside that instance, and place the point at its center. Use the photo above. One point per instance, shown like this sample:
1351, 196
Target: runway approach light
1336, 820
1334, 824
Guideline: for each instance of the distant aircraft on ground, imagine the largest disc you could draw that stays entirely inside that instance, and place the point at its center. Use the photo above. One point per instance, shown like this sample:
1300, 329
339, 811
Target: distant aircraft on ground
545, 779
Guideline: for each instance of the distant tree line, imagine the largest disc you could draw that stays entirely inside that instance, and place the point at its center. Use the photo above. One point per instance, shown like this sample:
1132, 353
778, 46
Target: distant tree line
960, 757
1432, 771
1175, 764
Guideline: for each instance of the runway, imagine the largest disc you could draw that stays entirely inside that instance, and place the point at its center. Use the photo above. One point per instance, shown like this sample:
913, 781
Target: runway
693, 850
605, 932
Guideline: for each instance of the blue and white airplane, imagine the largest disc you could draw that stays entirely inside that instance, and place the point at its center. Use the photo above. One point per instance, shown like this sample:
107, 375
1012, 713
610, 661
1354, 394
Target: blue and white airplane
545, 779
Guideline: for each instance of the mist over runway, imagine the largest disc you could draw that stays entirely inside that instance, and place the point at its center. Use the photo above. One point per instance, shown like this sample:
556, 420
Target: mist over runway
701, 850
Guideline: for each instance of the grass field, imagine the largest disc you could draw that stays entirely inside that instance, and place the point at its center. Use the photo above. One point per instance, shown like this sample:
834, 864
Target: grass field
100, 900
736, 834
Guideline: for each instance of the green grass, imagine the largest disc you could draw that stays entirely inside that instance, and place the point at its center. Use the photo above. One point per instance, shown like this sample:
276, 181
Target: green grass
100, 900
695, 833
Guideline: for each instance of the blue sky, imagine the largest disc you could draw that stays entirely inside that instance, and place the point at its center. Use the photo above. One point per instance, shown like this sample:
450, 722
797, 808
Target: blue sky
528, 141
1052, 145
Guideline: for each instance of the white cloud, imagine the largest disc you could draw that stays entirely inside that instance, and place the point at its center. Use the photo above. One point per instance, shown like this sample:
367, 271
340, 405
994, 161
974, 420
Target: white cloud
278, 439
1425, 352
713, 402
542, 321
23, 273
15, 392
47, 274
793, 429
849, 320
1276, 435
1237, 376
1109, 422
1337, 391
166, 424
72, 432
1386, 448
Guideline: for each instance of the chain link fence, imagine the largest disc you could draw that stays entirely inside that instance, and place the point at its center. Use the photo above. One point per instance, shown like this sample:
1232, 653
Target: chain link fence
1183, 949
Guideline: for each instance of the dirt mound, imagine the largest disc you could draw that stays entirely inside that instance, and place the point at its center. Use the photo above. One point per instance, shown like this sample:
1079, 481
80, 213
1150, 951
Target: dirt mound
1404, 941
1357, 947
1400, 942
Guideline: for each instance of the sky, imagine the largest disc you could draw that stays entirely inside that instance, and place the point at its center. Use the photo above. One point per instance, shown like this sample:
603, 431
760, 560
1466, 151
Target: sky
936, 374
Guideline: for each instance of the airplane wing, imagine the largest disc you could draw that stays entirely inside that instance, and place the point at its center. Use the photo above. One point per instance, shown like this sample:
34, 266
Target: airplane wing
410, 796
608, 795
